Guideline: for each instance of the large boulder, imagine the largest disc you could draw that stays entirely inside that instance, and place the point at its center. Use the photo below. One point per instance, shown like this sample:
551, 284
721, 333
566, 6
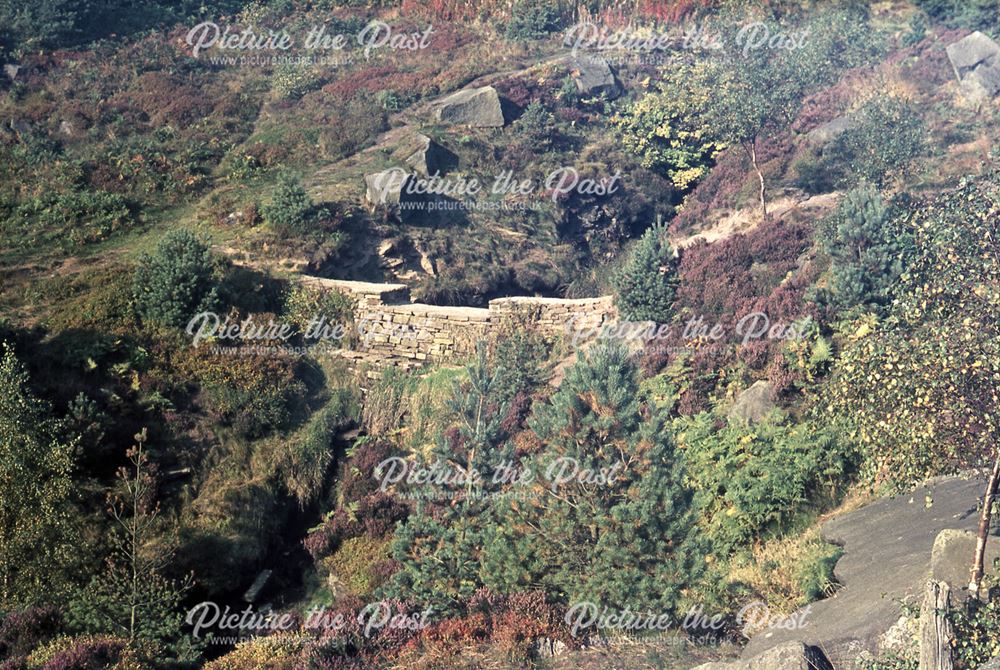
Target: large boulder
787, 656
388, 187
426, 156
478, 107
753, 404
976, 61
593, 76
831, 130
951, 557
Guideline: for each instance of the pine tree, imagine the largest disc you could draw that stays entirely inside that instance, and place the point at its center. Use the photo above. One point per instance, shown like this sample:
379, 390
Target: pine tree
867, 255
132, 598
619, 536
177, 281
291, 210
440, 546
36, 530
646, 283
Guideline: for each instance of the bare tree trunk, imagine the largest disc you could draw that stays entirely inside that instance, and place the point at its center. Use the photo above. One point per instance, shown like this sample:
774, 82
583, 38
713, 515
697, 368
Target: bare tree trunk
752, 151
935, 630
985, 516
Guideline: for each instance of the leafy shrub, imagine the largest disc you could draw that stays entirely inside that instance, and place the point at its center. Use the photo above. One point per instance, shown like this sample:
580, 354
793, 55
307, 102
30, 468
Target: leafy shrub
919, 384
664, 130
177, 281
753, 483
646, 283
888, 134
305, 304
977, 631
252, 393
292, 80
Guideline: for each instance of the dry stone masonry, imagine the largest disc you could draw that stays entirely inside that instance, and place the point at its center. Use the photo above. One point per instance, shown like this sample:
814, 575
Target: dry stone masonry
395, 331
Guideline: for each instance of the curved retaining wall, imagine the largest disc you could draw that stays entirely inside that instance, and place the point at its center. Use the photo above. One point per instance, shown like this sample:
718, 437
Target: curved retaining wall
403, 332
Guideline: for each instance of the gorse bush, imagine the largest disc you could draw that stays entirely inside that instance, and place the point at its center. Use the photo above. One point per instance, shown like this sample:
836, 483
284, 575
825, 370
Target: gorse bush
177, 281
646, 283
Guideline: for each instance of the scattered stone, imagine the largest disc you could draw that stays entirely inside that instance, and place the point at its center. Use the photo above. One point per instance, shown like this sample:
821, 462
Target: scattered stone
975, 60
258, 585
593, 76
478, 107
753, 404
10, 69
788, 656
951, 557
830, 130
428, 157
388, 187
65, 127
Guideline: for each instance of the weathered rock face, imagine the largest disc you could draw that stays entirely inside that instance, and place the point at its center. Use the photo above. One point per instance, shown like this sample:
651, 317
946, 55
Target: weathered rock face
753, 404
976, 62
593, 76
830, 130
427, 157
951, 557
992, 665
887, 554
388, 187
10, 69
478, 107
788, 656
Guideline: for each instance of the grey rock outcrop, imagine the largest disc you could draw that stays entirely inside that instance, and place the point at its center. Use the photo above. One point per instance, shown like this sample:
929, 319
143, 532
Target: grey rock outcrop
753, 404
976, 61
831, 130
10, 69
477, 107
388, 187
887, 554
426, 156
951, 557
992, 665
787, 656
593, 76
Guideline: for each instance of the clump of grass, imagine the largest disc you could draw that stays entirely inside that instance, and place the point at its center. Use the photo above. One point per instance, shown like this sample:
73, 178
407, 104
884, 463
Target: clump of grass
789, 572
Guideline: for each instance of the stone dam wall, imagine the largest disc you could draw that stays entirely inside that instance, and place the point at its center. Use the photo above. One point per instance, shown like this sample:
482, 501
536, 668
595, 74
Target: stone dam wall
395, 331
